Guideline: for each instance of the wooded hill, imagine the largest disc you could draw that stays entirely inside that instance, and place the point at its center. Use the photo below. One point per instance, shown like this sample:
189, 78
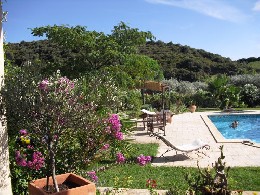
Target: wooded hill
177, 61
186, 63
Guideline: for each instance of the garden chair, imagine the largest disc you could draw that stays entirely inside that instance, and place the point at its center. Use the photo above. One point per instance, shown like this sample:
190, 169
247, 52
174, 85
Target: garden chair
197, 146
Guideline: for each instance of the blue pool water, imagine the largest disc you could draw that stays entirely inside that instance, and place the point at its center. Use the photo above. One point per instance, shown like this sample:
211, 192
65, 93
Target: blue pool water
248, 126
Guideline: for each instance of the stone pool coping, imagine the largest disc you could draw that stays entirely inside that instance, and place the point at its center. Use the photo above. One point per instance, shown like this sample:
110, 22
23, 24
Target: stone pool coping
219, 138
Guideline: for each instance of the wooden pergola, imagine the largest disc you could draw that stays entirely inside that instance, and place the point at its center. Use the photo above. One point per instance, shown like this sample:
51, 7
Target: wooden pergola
157, 87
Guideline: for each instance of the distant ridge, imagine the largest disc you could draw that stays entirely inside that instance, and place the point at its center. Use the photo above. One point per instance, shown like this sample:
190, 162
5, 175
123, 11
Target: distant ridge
177, 61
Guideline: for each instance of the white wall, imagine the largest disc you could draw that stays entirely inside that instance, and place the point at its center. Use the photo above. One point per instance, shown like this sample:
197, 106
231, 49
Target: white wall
5, 182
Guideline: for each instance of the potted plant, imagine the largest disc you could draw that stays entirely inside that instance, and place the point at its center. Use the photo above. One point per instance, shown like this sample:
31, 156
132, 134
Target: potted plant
192, 107
61, 124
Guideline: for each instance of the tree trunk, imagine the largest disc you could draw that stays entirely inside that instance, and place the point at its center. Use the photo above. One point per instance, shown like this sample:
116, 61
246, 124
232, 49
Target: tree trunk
51, 164
53, 170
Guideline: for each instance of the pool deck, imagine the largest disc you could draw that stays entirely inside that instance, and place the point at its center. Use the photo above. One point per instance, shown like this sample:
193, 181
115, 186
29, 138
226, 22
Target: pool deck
187, 127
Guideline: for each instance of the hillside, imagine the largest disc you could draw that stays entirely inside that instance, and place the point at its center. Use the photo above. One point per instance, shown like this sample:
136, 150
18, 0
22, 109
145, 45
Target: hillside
177, 61
186, 63
253, 63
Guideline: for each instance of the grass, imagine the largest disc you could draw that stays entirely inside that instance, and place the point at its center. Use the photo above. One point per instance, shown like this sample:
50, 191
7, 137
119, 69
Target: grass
242, 178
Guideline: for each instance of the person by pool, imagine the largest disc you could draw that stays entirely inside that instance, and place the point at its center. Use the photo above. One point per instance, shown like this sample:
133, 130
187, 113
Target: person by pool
234, 124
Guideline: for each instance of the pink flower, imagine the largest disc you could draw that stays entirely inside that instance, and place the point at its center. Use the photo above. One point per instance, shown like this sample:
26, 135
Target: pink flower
148, 158
19, 159
105, 147
143, 160
115, 122
120, 158
43, 85
30, 147
118, 135
63, 80
37, 161
93, 176
23, 132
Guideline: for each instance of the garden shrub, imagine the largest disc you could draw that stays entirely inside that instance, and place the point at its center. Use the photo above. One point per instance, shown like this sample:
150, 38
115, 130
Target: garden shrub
100, 88
250, 95
131, 101
17, 95
241, 80
203, 99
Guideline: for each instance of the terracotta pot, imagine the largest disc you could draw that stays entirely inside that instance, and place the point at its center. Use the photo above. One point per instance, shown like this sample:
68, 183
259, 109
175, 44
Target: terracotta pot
84, 186
192, 108
169, 118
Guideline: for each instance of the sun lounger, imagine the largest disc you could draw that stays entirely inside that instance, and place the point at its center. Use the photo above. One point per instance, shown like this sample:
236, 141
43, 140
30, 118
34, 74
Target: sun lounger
197, 145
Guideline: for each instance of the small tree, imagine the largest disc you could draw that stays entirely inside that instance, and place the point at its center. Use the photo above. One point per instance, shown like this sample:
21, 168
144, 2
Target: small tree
58, 109
61, 117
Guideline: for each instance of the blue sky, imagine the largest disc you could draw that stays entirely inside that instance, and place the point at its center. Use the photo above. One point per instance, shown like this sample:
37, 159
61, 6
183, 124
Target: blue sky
230, 28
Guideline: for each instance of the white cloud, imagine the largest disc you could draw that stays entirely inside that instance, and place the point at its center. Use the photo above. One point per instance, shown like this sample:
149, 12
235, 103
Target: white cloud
214, 8
257, 6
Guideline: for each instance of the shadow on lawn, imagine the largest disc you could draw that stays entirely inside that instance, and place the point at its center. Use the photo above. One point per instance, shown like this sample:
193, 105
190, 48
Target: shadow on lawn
173, 158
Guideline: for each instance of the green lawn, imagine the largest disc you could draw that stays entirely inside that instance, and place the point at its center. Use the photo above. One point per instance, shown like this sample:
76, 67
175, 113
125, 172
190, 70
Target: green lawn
244, 178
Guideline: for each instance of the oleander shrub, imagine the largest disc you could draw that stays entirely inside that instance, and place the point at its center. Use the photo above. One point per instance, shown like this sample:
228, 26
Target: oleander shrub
250, 94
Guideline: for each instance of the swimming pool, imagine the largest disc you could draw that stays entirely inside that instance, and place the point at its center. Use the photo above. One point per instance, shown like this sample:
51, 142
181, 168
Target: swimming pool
248, 126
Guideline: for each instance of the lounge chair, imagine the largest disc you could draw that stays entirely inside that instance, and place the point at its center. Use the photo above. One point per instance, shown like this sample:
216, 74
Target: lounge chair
197, 145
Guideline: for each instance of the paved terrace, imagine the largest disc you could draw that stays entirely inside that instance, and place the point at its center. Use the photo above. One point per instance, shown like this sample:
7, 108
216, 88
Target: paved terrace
187, 127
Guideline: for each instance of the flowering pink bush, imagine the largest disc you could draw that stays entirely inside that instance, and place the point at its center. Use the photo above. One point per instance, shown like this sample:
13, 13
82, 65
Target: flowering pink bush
120, 158
143, 160
63, 116
63, 84
115, 127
